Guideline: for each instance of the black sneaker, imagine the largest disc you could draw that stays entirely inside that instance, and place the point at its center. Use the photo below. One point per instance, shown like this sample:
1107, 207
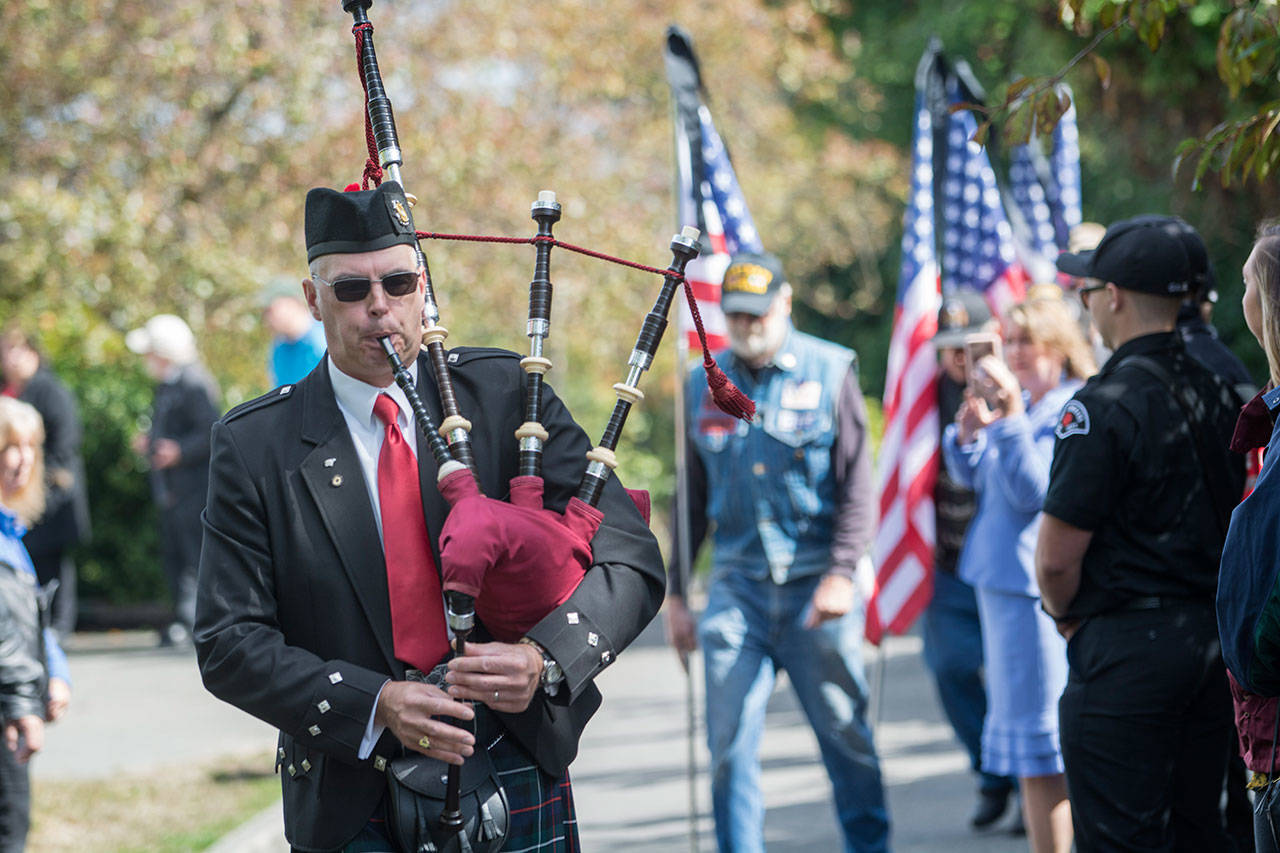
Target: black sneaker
991, 807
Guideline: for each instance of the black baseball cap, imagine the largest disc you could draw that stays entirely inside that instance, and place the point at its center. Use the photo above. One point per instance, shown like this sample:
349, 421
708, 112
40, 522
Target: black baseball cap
1146, 254
751, 282
1203, 281
357, 221
963, 312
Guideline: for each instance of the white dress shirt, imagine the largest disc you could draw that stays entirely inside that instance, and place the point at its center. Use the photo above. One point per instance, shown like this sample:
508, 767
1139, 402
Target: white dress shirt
355, 401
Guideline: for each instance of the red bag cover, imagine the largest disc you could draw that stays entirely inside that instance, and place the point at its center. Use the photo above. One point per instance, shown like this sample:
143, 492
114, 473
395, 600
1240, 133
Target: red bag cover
640, 497
518, 560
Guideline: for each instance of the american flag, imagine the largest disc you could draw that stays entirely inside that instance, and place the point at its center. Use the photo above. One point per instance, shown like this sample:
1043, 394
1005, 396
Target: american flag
1047, 191
978, 243
980, 252
1066, 203
708, 193
909, 452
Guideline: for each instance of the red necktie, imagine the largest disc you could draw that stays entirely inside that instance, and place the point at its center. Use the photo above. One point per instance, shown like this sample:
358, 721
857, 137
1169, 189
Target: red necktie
417, 611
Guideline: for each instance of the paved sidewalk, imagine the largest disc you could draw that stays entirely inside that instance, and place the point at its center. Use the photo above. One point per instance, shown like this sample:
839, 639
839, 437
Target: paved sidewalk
632, 788
138, 708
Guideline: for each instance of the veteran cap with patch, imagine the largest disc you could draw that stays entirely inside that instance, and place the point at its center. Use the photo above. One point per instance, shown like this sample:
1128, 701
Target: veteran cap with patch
750, 283
359, 221
1146, 253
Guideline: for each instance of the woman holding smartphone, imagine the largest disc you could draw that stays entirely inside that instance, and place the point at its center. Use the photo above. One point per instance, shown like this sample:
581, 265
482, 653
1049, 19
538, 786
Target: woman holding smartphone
1001, 446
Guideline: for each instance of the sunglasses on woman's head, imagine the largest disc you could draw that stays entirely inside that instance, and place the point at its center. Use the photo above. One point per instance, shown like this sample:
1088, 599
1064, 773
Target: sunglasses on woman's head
356, 289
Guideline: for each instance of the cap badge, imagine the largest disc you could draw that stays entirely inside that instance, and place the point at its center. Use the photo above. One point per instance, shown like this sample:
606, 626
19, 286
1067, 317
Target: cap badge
954, 315
747, 278
397, 208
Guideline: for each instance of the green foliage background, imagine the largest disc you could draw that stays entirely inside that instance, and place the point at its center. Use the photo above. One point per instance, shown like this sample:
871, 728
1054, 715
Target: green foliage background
156, 157
1130, 129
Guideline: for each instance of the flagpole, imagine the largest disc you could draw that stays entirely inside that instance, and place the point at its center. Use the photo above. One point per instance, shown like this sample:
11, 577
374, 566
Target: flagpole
684, 556
877, 687
707, 195
683, 560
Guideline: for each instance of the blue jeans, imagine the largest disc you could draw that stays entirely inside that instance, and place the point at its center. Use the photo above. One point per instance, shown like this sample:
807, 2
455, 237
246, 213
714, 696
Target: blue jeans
953, 653
750, 629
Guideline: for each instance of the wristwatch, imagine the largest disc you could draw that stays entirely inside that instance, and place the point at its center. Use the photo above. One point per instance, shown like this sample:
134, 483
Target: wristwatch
552, 674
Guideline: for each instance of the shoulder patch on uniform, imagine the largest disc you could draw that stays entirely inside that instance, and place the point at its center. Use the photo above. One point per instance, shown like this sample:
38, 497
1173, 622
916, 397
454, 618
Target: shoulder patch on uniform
284, 392
1074, 420
462, 355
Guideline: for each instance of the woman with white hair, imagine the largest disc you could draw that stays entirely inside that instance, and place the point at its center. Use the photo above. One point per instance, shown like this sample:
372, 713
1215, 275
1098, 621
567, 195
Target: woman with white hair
177, 450
34, 683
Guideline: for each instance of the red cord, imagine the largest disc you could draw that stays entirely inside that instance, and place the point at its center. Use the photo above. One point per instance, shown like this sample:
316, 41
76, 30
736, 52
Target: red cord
727, 396
479, 238
372, 169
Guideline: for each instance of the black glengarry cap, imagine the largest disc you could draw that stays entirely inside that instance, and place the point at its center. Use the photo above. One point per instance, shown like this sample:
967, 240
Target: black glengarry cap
359, 221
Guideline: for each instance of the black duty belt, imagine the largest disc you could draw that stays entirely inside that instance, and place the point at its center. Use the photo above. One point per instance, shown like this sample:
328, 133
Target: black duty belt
1157, 602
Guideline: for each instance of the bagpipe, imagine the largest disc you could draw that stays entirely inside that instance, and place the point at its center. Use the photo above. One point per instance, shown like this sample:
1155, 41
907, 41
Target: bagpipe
510, 563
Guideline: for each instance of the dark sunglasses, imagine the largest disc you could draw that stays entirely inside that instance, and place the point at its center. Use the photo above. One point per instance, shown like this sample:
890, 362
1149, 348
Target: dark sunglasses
356, 289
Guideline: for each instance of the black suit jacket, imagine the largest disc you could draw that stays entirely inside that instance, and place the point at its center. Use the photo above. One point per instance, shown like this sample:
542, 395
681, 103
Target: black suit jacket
293, 623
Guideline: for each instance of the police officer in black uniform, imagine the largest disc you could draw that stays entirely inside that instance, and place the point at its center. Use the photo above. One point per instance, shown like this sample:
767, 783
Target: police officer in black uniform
1140, 492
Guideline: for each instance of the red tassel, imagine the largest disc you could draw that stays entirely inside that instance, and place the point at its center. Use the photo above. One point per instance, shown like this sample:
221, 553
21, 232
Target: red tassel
727, 396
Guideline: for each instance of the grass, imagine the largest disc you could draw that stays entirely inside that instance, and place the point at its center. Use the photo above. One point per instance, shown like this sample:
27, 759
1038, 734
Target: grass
175, 810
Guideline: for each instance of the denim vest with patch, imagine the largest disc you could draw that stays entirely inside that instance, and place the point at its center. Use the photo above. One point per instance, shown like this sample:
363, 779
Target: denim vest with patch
771, 491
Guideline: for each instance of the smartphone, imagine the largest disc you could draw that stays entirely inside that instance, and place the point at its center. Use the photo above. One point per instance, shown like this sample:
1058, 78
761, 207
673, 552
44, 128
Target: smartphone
976, 347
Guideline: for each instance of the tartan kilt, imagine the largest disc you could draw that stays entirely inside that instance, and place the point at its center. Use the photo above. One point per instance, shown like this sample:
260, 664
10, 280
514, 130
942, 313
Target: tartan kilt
542, 816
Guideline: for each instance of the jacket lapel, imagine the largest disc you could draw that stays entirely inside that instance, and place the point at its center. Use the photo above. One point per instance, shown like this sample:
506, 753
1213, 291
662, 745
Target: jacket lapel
334, 478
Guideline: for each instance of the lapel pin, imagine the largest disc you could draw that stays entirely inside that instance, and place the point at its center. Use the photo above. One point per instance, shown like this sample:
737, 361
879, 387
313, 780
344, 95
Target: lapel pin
328, 463
336, 481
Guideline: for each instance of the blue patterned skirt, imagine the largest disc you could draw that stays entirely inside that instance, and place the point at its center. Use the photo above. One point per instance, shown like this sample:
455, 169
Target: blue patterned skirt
1026, 671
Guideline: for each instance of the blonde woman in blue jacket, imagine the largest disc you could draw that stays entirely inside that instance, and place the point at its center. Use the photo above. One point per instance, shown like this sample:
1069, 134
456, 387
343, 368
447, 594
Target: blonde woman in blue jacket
1001, 446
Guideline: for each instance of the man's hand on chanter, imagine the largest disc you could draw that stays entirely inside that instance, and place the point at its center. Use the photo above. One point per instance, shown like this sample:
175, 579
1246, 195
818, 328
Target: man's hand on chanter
503, 676
409, 709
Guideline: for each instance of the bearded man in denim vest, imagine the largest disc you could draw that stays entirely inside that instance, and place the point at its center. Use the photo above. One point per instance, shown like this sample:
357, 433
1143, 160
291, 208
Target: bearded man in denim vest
790, 500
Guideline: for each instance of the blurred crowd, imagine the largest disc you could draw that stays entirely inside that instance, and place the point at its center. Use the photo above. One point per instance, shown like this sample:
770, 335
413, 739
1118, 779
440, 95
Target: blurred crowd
1104, 626
44, 510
